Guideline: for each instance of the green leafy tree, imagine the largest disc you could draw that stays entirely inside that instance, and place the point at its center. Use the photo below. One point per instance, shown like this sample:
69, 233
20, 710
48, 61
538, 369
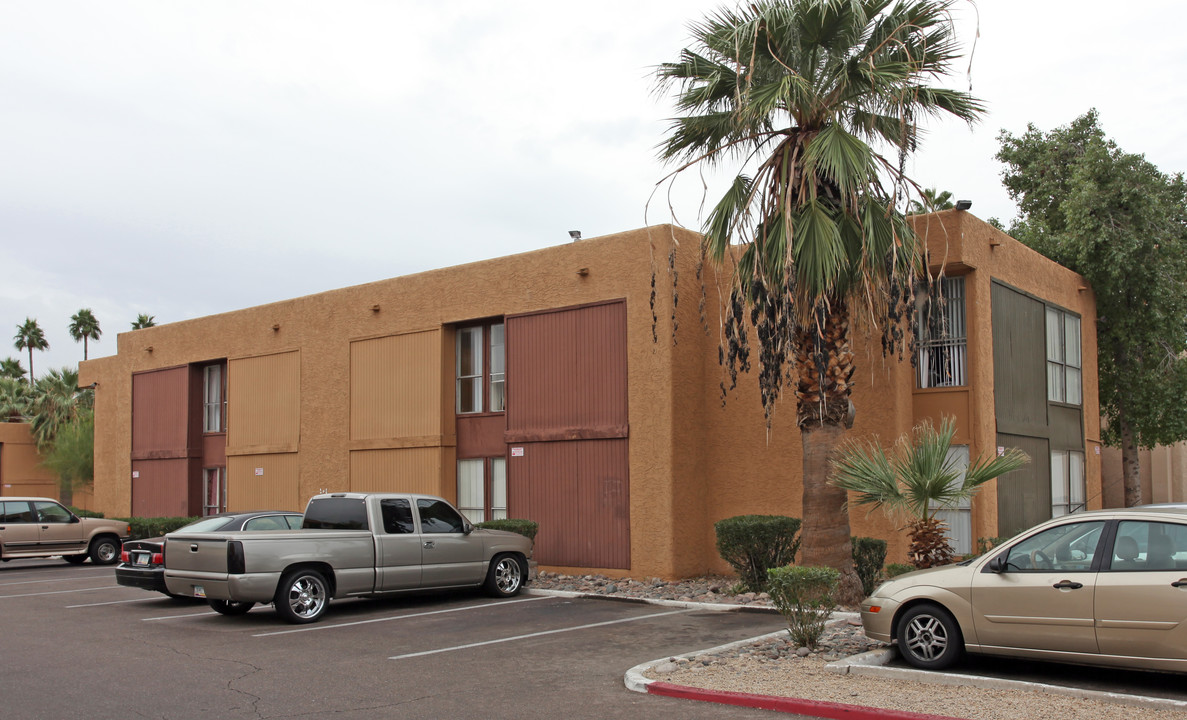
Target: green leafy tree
797, 93
144, 321
931, 200
1117, 220
72, 455
917, 479
83, 327
11, 368
29, 336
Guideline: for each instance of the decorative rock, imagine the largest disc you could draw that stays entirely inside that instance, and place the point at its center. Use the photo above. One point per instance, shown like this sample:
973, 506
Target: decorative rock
667, 668
803, 652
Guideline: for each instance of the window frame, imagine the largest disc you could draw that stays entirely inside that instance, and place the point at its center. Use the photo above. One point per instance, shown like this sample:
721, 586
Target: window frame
1072, 502
491, 370
492, 493
1058, 349
941, 331
214, 408
220, 476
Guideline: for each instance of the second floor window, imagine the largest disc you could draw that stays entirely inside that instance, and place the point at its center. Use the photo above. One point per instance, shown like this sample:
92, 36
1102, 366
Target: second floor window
481, 369
213, 399
1063, 357
943, 341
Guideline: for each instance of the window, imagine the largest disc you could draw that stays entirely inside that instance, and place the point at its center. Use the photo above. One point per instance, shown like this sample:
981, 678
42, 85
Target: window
213, 399
481, 369
438, 517
940, 329
268, 522
959, 517
214, 490
51, 512
336, 513
1067, 482
1067, 548
1063, 357
478, 499
1151, 546
397, 516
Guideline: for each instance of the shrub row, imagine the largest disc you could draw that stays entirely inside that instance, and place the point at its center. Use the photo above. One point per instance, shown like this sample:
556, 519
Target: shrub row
753, 544
527, 528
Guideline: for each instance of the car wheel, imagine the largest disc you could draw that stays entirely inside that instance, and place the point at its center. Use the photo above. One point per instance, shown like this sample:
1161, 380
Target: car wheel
504, 578
230, 607
75, 559
929, 638
302, 596
104, 550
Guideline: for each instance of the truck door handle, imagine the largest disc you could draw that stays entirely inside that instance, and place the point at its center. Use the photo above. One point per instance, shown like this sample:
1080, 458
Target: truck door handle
1068, 585
1179, 583
428, 544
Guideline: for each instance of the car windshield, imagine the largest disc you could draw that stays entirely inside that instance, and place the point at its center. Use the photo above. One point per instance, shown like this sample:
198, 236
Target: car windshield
208, 524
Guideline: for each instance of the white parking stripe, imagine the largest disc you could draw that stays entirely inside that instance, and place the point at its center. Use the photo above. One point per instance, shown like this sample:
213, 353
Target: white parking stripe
61, 592
311, 628
535, 634
112, 602
59, 580
177, 617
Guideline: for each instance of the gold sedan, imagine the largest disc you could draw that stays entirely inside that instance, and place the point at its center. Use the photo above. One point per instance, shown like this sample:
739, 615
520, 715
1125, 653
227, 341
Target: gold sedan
1107, 587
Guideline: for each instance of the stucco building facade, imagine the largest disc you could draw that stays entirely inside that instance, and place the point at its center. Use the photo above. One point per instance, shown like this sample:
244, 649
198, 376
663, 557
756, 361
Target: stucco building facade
579, 386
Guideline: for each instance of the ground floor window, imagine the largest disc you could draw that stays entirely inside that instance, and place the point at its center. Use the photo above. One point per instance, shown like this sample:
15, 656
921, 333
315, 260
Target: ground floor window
1067, 482
959, 517
214, 490
482, 488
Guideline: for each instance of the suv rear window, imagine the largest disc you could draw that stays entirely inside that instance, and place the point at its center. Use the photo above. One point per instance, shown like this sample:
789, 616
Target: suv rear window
336, 514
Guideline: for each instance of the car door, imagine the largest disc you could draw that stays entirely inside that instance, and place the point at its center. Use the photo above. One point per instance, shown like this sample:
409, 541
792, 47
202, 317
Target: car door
449, 555
59, 530
1042, 596
18, 530
398, 545
1141, 601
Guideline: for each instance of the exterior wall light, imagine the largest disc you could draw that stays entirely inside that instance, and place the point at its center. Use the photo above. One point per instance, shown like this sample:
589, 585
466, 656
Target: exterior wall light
276, 327
583, 271
374, 308
964, 204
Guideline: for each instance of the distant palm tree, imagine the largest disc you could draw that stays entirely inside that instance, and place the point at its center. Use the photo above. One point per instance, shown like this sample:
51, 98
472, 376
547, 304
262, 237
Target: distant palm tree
918, 479
144, 321
84, 326
15, 397
11, 368
932, 201
56, 401
29, 336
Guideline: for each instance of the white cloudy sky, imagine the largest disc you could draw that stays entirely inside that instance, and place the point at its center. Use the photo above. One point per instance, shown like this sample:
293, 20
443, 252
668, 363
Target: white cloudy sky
187, 158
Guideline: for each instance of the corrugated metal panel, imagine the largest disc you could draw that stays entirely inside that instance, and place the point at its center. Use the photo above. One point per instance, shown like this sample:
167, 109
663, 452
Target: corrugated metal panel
1024, 496
160, 488
416, 470
160, 412
395, 386
1019, 362
579, 493
264, 400
567, 370
263, 482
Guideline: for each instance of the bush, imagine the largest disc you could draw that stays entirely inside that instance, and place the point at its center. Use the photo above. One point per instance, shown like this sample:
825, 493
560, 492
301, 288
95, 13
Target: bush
527, 528
155, 527
868, 556
895, 569
85, 513
805, 597
753, 544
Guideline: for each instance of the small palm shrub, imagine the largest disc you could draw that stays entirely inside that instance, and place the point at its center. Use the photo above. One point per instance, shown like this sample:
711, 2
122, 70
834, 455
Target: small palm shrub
805, 596
868, 556
753, 544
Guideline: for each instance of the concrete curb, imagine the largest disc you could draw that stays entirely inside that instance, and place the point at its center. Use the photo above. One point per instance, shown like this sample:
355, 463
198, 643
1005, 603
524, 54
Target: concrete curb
715, 607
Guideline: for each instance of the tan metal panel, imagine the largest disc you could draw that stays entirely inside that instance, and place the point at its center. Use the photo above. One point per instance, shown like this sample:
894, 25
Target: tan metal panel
414, 470
395, 386
263, 482
160, 412
264, 400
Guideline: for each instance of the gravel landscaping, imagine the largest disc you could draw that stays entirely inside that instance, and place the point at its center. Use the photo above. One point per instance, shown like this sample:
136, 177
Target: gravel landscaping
775, 666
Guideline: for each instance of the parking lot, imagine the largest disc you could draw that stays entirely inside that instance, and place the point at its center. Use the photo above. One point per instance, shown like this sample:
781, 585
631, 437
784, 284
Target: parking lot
74, 642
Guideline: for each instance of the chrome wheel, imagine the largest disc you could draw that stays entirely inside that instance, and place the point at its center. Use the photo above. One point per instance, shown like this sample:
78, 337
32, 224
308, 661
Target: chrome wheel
929, 638
926, 638
505, 577
302, 596
104, 551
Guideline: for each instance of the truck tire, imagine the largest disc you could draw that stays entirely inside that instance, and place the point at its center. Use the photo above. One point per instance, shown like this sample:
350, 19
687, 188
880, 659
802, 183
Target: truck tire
230, 607
504, 577
75, 559
302, 596
105, 550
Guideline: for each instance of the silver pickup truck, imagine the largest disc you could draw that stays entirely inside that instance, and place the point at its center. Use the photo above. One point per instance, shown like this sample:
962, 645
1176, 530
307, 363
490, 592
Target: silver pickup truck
350, 545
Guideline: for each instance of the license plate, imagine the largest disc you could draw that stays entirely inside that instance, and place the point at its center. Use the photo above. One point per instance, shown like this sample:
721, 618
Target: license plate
142, 559
199, 591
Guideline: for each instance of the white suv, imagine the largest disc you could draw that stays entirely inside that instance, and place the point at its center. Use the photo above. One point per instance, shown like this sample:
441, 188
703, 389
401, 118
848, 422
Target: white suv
32, 527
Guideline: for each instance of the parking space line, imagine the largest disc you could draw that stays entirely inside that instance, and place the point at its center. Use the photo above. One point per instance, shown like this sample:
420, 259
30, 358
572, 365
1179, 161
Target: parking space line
535, 634
208, 611
312, 628
61, 592
59, 580
111, 602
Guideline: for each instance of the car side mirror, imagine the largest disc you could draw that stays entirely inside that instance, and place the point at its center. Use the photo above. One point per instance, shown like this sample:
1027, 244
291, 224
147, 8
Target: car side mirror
467, 528
75, 519
998, 564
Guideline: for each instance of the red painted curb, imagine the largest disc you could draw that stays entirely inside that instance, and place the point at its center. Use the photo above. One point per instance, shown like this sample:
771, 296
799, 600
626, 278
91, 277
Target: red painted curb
813, 708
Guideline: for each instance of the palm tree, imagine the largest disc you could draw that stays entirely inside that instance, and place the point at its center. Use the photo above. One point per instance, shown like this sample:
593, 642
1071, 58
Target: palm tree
919, 478
11, 368
144, 321
30, 336
931, 200
15, 396
84, 326
796, 90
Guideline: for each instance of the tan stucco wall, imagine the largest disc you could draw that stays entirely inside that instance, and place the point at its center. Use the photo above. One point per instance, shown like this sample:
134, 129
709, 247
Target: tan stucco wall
21, 472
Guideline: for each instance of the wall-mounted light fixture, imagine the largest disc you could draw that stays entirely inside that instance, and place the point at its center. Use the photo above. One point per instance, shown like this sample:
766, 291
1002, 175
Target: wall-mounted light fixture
964, 204
575, 235
583, 271
375, 308
276, 327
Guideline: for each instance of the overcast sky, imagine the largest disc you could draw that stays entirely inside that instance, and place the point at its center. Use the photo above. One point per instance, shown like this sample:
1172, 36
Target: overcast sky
187, 158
